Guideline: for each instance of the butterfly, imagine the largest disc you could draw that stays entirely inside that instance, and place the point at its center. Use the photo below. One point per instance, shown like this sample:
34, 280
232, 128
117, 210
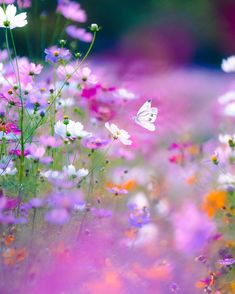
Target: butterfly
146, 116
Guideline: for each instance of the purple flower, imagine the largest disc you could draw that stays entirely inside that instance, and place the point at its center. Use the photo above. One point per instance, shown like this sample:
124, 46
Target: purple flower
226, 261
95, 142
57, 216
57, 55
79, 33
101, 213
138, 217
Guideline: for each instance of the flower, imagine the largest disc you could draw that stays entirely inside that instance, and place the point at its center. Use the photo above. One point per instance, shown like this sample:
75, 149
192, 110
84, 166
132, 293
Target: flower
57, 55
228, 65
138, 217
226, 261
57, 216
79, 33
95, 143
214, 201
72, 10
31, 69
117, 133
71, 171
226, 181
71, 130
9, 19
124, 94
86, 76
94, 27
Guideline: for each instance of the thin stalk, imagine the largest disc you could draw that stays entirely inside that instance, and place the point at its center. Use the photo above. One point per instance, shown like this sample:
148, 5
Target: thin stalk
21, 171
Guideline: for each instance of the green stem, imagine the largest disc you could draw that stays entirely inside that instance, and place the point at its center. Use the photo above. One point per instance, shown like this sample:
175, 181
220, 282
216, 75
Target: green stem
21, 171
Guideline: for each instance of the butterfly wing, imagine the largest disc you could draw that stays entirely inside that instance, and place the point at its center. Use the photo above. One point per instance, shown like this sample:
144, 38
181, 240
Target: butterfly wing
146, 116
146, 125
145, 107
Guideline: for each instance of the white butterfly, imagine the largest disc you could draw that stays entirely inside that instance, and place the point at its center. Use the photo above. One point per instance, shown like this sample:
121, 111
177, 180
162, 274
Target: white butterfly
146, 116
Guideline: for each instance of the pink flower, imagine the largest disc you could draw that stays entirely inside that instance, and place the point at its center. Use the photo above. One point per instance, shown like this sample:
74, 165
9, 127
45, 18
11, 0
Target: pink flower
50, 141
79, 33
72, 10
31, 69
7, 1
36, 152
24, 3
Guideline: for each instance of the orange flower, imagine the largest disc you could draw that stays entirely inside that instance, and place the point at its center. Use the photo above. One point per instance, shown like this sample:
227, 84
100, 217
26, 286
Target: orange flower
214, 201
129, 185
9, 239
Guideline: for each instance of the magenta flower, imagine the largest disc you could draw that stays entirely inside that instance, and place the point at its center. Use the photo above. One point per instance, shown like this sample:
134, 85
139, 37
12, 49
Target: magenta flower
79, 33
17, 152
72, 10
7, 203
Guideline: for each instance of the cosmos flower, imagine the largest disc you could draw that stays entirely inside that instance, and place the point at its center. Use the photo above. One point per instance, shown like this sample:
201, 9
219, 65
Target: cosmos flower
57, 55
226, 261
71, 171
9, 19
138, 216
57, 216
7, 1
124, 94
95, 143
24, 3
228, 65
214, 201
119, 134
79, 33
31, 69
86, 76
71, 130
72, 10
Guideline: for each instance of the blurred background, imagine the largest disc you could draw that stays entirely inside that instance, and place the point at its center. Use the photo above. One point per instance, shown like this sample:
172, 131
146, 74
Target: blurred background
175, 32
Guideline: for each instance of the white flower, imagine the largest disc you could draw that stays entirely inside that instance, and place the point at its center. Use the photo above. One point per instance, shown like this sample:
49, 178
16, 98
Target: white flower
68, 102
9, 19
124, 94
226, 181
228, 65
71, 171
140, 200
117, 133
71, 130
8, 171
53, 174
229, 110
224, 138
227, 97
